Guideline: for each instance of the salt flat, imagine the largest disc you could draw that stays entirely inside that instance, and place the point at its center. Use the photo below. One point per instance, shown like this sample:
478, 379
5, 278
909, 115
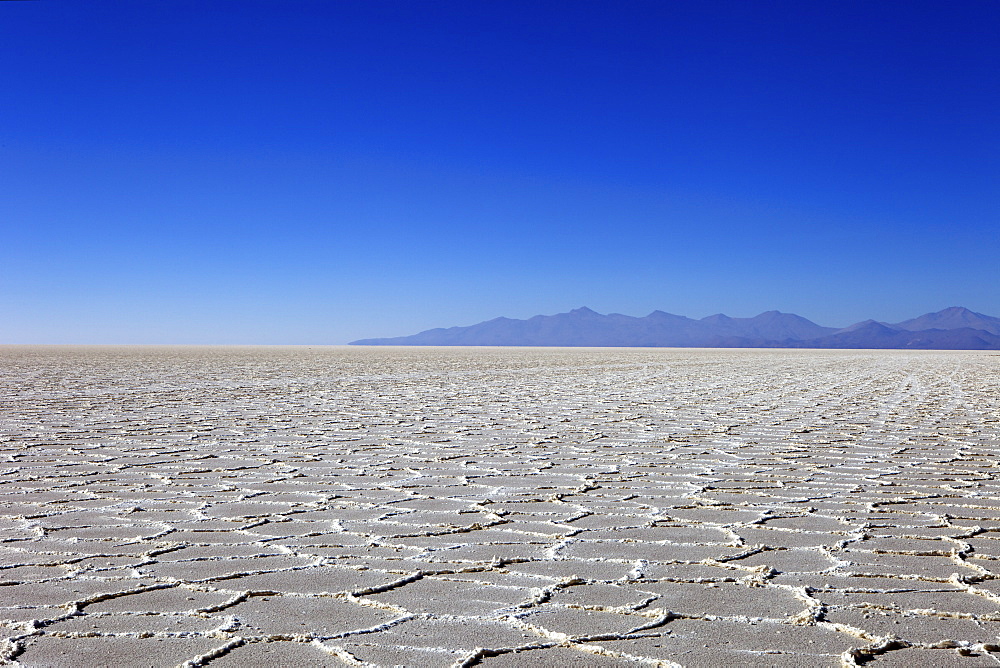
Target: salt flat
498, 507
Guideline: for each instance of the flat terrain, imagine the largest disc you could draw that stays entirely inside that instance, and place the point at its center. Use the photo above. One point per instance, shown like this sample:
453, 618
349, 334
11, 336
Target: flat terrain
498, 507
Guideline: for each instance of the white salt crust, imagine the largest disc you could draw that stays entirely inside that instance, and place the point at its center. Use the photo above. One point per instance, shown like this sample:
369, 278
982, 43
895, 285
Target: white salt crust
498, 507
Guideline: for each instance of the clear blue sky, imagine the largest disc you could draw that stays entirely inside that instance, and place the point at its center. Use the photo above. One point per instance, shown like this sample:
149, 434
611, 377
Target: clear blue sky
315, 172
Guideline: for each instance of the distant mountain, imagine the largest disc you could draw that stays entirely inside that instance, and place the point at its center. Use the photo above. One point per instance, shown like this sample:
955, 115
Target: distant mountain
951, 329
771, 325
955, 317
871, 334
584, 327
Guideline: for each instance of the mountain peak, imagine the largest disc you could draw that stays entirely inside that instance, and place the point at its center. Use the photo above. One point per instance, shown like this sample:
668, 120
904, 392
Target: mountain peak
867, 325
956, 310
583, 310
953, 317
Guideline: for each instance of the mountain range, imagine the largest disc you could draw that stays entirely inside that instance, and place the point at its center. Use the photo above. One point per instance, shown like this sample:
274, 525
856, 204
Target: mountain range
954, 328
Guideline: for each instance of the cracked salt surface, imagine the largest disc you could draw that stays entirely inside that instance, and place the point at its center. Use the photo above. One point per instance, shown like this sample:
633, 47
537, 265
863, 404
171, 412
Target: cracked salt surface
498, 507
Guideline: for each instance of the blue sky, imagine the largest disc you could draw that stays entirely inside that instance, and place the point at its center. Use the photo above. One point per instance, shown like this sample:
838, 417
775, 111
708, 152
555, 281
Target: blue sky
316, 172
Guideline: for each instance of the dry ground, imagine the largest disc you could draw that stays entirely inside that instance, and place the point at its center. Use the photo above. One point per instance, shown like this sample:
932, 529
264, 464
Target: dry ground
498, 507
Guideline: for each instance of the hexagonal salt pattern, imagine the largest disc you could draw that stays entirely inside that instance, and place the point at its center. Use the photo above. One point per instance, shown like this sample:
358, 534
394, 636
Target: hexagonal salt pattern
460, 507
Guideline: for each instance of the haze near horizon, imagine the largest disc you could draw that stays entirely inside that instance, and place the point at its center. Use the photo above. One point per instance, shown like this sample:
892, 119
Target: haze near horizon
298, 172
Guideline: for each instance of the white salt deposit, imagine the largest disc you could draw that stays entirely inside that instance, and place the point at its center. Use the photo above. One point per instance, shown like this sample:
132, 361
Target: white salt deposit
498, 507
